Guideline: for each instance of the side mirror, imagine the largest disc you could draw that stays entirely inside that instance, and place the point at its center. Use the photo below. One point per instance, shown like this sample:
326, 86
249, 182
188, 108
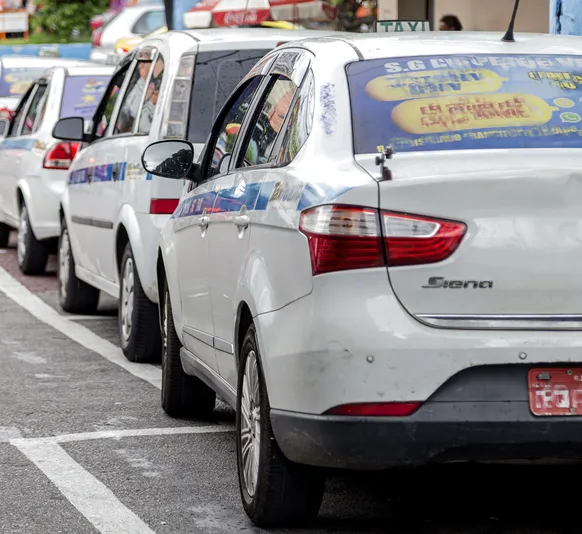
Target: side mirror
170, 159
4, 127
70, 129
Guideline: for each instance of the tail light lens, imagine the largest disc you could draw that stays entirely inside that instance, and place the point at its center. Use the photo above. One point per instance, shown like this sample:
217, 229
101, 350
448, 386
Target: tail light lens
414, 240
376, 409
96, 37
345, 237
60, 156
342, 238
163, 206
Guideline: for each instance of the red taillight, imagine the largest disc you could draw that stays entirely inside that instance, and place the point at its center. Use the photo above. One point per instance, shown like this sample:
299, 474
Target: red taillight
414, 240
342, 238
345, 237
163, 206
96, 37
376, 409
60, 156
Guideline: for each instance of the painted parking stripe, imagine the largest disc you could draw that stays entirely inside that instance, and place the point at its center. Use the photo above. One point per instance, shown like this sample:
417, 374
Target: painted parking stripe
15, 291
95, 501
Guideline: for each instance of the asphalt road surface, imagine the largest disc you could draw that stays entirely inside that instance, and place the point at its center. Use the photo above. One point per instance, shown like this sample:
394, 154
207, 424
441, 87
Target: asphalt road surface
85, 448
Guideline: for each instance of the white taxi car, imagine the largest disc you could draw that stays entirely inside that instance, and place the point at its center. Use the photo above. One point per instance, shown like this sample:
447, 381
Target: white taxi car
33, 164
377, 259
171, 86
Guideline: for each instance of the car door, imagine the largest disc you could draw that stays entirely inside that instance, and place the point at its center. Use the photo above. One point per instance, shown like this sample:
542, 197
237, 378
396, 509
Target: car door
12, 150
235, 207
195, 227
86, 195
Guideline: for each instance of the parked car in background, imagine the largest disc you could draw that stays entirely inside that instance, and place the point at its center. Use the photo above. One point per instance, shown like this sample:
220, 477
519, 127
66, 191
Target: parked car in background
113, 210
17, 73
33, 164
134, 21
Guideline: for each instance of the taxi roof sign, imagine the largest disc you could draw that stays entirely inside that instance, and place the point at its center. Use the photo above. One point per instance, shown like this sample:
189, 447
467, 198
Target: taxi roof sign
398, 26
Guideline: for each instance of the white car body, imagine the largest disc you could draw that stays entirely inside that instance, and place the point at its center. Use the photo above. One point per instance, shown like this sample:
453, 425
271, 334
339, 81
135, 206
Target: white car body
133, 21
111, 200
397, 315
34, 164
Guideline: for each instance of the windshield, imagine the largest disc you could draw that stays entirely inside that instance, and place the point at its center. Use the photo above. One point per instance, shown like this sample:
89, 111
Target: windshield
466, 102
81, 95
215, 77
15, 82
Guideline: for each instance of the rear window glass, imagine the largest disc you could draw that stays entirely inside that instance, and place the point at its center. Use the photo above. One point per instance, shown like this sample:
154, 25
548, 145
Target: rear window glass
15, 82
81, 95
464, 102
215, 77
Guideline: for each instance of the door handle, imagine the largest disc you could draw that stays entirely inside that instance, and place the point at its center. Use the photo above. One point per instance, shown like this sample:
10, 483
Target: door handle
242, 221
203, 222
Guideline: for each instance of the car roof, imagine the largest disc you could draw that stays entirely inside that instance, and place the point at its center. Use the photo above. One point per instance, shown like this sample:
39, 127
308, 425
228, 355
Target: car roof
104, 70
143, 7
382, 45
12, 62
224, 38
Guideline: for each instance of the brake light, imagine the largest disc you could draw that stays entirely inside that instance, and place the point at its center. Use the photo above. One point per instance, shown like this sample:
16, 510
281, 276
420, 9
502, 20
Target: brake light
414, 240
342, 238
345, 237
60, 156
163, 206
96, 37
376, 409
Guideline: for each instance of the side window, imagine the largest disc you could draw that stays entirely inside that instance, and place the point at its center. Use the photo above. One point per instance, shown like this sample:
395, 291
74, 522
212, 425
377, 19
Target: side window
103, 116
151, 97
34, 109
19, 116
148, 22
265, 128
132, 99
299, 125
227, 132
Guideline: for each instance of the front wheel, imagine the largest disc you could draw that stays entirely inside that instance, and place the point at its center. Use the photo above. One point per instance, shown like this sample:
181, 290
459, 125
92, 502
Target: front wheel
32, 254
75, 296
275, 492
139, 328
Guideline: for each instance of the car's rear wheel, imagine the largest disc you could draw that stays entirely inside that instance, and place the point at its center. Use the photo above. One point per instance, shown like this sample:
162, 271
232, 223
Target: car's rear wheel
32, 254
139, 329
275, 492
75, 296
182, 395
4, 235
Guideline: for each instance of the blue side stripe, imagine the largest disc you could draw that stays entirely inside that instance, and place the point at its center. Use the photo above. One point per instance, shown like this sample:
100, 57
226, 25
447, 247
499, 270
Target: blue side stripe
101, 173
17, 143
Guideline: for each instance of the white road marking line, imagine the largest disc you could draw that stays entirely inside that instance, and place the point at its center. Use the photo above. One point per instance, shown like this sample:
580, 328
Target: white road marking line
85, 492
128, 433
78, 333
8, 433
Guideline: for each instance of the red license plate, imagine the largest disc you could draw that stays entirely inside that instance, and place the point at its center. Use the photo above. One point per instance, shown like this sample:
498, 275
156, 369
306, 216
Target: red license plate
555, 392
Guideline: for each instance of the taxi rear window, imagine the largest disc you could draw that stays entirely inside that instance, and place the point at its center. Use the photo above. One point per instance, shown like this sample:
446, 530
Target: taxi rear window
216, 75
15, 82
81, 95
466, 102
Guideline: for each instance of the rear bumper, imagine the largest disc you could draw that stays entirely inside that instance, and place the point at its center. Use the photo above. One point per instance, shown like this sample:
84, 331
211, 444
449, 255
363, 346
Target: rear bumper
448, 433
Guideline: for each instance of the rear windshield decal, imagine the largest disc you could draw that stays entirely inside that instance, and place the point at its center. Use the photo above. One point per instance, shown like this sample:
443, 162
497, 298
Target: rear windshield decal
466, 102
82, 95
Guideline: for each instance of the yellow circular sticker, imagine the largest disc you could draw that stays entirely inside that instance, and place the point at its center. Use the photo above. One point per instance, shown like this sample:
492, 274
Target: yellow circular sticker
564, 103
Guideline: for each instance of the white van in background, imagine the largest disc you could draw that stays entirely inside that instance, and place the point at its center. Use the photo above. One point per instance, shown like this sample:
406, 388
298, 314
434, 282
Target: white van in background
170, 86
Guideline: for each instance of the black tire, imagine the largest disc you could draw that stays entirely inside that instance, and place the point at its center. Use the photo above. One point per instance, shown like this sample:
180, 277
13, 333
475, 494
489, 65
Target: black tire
75, 296
33, 256
285, 494
182, 395
4, 235
140, 340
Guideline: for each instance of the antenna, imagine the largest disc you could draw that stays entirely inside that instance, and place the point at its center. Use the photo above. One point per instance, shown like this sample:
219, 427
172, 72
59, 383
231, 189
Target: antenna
508, 37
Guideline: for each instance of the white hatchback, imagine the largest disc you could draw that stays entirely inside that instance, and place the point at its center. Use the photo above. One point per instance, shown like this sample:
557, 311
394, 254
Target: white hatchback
34, 164
170, 86
377, 262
